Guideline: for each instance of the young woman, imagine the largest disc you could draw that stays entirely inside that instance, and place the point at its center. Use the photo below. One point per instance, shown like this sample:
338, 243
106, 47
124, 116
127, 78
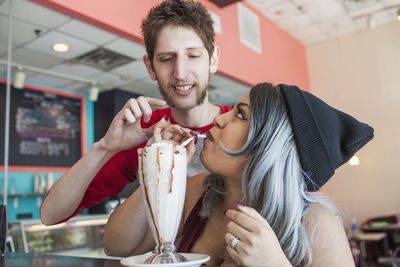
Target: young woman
257, 205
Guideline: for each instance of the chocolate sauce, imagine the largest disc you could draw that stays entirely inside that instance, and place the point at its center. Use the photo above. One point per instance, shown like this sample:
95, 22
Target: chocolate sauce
171, 176
148, 202
158, 159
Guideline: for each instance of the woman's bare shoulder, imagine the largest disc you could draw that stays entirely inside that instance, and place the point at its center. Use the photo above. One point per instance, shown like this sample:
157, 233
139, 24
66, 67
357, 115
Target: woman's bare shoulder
318, 217
328, 238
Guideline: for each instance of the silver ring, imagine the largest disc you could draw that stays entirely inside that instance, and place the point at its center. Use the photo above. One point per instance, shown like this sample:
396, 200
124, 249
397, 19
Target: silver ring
235, 241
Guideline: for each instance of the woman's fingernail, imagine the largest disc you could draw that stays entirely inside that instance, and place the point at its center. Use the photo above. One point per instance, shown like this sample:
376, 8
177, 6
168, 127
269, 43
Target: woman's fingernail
240, 204
183, 129
225, 211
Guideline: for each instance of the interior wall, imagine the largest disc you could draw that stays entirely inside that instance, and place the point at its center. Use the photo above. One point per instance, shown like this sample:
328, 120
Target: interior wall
360, 74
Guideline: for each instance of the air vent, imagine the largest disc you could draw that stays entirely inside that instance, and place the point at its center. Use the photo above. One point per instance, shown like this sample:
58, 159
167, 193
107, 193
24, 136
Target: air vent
103, 59
249, 28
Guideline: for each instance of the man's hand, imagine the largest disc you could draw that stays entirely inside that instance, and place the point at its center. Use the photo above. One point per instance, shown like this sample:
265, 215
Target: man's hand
125, 131
176, 135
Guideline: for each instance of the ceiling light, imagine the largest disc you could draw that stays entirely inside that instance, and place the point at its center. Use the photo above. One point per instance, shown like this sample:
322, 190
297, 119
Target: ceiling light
19, 79
371, 22
398, 14
94, 93
60, 48
354, 161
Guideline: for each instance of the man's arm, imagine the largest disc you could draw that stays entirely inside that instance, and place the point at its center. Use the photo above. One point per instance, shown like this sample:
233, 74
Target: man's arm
66, 194
124, 132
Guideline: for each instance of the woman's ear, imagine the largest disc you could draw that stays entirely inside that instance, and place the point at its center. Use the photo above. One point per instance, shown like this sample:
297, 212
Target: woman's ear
149, 67
214, 60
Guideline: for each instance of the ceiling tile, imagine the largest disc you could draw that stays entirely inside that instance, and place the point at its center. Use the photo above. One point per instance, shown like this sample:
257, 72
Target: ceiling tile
236, 89
135, 70
373, 6
50, 80
149, 81
296, 22
110, 80
43, 45
143, 88
87, 32
218, 93
75, 70
257, 4
219, 81
3, 49
312, 32
323, 12
128, 48
78, 86
390, 2
281, 10
362, 23
315, 39
386, 16
31, 58
341, 24
22, 31
309, 4
34, 13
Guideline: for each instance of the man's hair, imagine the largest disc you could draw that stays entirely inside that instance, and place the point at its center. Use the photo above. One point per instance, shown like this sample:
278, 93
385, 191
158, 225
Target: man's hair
189, 14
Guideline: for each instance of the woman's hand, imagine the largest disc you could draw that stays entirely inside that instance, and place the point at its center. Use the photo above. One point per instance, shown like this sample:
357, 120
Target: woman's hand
258, 244
176, 135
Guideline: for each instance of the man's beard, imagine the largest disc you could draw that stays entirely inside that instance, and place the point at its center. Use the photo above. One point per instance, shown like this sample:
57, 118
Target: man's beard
201, 94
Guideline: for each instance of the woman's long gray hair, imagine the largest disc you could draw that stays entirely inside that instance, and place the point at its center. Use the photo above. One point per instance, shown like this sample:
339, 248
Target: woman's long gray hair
273, 182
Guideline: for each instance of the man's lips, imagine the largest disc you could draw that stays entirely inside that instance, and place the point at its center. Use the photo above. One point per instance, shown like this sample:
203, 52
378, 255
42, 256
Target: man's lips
184, 89
209, 136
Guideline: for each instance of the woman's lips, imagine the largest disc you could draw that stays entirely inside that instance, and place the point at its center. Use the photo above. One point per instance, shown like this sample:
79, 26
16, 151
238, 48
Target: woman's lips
209, 136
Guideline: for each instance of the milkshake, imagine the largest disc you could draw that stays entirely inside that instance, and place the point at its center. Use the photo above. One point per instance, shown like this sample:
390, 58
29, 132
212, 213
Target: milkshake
162, 177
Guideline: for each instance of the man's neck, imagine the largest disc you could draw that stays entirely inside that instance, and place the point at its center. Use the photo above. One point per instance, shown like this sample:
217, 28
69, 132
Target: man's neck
196, 117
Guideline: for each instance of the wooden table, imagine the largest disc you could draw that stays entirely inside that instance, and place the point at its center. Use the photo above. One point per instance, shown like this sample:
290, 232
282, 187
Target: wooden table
21, 259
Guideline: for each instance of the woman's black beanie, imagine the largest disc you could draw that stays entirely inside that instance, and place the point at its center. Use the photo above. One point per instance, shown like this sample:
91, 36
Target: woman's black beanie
326, 138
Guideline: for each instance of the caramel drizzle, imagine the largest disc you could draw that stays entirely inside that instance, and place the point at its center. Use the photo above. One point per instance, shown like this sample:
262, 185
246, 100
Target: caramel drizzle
148, 203
171, 176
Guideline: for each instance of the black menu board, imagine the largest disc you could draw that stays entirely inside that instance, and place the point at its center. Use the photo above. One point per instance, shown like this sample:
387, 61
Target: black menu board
45, 128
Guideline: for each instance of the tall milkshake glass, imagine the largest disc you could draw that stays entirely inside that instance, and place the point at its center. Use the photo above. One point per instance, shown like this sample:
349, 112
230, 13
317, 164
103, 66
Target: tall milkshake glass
162, 177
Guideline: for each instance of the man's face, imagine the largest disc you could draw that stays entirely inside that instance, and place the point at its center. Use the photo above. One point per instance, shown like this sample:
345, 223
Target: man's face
181, 65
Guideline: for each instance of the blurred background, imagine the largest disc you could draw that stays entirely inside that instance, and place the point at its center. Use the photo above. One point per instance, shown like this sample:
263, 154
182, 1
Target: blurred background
89, 54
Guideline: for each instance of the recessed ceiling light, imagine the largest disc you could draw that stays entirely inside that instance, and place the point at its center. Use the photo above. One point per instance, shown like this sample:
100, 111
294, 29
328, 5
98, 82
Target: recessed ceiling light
61, 48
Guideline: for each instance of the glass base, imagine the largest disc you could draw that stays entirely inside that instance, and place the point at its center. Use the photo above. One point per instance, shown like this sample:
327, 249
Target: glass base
165, 257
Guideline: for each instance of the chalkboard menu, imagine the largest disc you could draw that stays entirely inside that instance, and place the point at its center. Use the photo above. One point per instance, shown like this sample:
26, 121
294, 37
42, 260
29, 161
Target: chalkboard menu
45, 127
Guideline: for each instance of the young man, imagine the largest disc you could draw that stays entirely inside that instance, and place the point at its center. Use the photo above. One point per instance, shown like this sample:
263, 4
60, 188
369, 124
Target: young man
179, 40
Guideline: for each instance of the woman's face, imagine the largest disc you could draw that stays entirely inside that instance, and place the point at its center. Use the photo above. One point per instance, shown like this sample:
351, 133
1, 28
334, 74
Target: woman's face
230, 130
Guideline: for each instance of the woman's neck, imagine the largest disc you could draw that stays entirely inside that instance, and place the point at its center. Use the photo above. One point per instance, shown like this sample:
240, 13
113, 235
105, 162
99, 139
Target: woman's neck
233, 188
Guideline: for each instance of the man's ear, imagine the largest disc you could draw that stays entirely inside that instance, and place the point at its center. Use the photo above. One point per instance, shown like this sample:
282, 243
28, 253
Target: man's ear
214, 60
149, 67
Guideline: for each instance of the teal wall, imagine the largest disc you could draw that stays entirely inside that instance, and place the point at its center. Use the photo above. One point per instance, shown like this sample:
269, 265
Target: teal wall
21, 183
